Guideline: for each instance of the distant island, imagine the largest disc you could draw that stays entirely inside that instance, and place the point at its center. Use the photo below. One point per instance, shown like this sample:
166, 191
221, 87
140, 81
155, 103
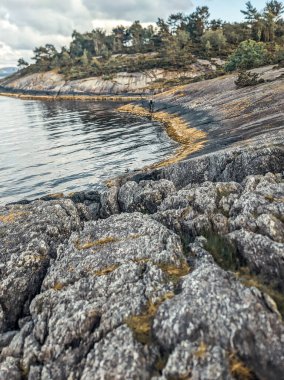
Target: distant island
6, 71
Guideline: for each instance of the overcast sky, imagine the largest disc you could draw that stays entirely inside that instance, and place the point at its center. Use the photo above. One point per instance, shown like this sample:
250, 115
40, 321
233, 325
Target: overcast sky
25, 24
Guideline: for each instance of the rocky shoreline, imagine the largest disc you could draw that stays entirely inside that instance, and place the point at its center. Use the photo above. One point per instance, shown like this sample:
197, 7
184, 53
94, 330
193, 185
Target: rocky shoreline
170, 273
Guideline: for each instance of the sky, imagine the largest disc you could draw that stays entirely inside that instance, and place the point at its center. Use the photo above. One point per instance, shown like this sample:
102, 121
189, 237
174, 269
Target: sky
25, 24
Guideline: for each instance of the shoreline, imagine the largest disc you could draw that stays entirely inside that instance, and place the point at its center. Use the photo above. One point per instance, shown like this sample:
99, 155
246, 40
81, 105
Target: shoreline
190, 140
214, 114
55, 97
139, 279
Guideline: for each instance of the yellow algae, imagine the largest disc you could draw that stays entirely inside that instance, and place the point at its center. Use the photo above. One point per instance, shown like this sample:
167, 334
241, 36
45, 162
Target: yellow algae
175, 272
11, 217
105, 240
141, 324
97, 243
201, 351
58, 286
56, 195
99, 98
106, 271
191, 139
239, 370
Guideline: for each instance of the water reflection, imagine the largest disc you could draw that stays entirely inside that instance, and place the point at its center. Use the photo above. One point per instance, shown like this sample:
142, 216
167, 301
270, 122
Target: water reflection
48, 147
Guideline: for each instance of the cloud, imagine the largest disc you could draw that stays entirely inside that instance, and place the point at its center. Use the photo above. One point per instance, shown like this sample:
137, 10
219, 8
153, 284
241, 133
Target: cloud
143, 10
25, 24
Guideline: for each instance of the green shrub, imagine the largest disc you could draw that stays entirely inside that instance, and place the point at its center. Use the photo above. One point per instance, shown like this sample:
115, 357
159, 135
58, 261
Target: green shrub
248, 55
246, 79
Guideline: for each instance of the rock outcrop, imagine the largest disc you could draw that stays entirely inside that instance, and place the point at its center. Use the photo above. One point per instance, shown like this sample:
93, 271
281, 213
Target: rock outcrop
117, 84
172, 274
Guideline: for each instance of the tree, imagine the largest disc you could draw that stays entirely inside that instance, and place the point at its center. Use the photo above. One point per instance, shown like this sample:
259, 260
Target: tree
248, 55
216, 39
216, 24
64, 58
272, 14
197, 22
175, 21
251, 13
255, 21
176, 50
120, 37
84, 59
137, 36
22, 63
275, 8
45, 56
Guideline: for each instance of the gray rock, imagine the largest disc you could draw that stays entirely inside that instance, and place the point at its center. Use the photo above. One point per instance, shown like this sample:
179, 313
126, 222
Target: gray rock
233, 164
115, 298
9, 369
118, 356
90, 291
214, 309
109, 202
262, 255
30, 236
145, 196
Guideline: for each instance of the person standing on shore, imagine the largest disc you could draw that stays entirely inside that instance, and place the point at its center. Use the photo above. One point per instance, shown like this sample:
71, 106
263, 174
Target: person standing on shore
151, 106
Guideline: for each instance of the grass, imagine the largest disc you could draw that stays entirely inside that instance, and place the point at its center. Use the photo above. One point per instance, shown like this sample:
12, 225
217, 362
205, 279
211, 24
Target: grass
272, 199
239, 370
248, 279
223, 252
201, 351
141, 325
104, 241
106, 271
175, 272
100, 242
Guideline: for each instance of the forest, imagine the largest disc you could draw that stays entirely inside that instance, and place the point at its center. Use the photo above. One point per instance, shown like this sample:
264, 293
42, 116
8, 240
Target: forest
174, 43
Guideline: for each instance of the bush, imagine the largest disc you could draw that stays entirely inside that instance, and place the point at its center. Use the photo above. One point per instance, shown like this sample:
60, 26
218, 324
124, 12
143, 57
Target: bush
248, 55
246, 79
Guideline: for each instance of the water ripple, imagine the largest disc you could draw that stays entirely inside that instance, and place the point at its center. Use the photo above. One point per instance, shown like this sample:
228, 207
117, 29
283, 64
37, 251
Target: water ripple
50, 147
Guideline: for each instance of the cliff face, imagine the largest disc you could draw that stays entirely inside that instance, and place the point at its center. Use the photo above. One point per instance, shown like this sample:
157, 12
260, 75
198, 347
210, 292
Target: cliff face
120, 83
172, 273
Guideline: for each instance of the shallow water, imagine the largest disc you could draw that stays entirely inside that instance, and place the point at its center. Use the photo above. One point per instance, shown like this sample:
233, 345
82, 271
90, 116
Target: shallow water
64, 146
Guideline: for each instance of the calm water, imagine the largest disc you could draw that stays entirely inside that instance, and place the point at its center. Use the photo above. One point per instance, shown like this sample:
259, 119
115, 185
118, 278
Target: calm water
50, 147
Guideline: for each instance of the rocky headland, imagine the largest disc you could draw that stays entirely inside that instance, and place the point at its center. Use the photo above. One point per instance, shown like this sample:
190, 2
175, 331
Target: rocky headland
172, 272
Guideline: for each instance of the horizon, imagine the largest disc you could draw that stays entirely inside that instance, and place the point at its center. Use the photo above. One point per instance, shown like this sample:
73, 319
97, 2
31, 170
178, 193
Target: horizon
23, 30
